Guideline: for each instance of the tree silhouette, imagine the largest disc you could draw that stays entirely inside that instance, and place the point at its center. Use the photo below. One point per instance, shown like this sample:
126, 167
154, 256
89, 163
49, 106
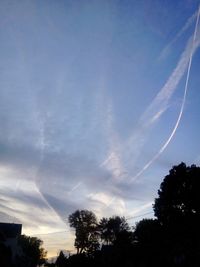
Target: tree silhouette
147, 231
178, 197
32, 252
148, 242
85, 224
104, 231
61, 260
178, 211
172, 239
110, 227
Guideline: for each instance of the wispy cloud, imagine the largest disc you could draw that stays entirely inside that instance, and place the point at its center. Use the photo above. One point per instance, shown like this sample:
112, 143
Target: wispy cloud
141, 209
60, 148
123, 156
161, 100
113, 162
165, 52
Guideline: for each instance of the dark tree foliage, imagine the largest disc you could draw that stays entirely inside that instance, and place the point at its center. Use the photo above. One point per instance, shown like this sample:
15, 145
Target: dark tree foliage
148, 243
178, 196
104, 231
32, 253
117, 241
61, 260
147, 231
47, 264
85, 224
111, 227
80, 259
178, 211
170, 240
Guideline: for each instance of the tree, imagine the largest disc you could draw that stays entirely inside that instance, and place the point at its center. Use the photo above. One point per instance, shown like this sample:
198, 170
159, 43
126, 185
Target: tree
61, 260
104, 231
111, 227
178, 211
32, 252
47, 264
148, 242
85, 224
178, 196
147, 231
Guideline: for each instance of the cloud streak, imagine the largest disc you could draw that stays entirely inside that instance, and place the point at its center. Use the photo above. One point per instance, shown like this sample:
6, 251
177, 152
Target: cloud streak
113, 162
122, 156
62, 103
161, 100
187, 25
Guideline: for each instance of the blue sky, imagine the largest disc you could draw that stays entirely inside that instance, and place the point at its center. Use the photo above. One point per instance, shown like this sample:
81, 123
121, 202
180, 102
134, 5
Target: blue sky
91, 93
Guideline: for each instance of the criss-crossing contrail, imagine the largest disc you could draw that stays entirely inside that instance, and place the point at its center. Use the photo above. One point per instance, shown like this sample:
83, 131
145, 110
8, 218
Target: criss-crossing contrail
195, 44
188, 23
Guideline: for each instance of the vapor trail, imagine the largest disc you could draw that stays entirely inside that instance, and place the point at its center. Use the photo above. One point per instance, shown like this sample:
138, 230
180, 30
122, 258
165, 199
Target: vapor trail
113, 162
179, 34
194, 46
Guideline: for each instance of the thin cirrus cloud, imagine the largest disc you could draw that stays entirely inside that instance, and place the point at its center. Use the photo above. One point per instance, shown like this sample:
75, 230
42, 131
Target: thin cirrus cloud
113, 162
164, 53
60, 143
156, 109
166, 92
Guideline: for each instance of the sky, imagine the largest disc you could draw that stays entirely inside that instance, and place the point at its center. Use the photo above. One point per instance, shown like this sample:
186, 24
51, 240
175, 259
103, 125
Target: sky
98, 100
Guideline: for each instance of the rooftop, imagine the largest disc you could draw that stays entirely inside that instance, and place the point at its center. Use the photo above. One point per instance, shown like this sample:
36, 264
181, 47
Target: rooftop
10, 230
